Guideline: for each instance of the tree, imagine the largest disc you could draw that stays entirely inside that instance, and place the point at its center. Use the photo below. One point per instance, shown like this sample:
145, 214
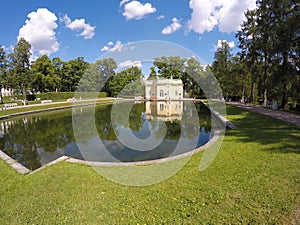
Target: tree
193, 76
222, 67
249, 66
3, 70
153, 74
72, 72
20, 75
44, 77
97, 75
58, 68
188, 70
269, 40
286, 45
169, 67
125, 82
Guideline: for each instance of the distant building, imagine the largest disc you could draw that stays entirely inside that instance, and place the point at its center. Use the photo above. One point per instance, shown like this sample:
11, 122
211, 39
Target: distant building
6, 91
164, 89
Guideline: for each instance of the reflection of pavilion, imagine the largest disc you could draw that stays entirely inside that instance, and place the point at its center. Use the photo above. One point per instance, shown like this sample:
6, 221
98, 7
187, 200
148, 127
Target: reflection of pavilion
164, 110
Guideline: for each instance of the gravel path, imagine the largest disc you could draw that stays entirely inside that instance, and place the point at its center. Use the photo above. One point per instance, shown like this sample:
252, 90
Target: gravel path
278, 114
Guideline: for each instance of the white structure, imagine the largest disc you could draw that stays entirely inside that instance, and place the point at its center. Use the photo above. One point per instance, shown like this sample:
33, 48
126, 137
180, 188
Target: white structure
6, 92
164, 110
164, 89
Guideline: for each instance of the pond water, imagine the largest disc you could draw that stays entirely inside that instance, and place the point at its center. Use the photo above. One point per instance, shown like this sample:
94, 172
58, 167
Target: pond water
38, 139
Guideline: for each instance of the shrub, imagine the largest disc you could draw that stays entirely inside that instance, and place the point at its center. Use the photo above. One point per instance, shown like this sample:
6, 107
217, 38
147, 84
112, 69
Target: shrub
66, 95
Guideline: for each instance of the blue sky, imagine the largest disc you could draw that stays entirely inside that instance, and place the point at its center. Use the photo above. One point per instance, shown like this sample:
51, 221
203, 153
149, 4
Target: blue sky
72, 28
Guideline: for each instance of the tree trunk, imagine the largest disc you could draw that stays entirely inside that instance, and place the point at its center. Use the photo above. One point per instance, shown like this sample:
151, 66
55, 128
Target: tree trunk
284, 99
252, 97
265, 87
25, 95
1, 97
265, 97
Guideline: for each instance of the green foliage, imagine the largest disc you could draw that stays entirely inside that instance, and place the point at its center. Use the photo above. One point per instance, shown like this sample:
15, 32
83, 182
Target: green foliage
20, 76
66, 95
45, 77
71, 73
3, 70
269, 42
153, 74
97, 75
127, 82
227, 71
188, 70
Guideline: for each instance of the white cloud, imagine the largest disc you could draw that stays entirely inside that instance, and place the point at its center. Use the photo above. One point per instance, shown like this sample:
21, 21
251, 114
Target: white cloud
136, 10
105, 49
202, 19
231, 44
130, 63
87, 31
124, 1
39, 31
227, 15
111, 47
172, 28
161, 17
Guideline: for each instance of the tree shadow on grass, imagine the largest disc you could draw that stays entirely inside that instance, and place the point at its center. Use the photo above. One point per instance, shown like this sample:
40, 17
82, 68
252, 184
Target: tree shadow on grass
280, 136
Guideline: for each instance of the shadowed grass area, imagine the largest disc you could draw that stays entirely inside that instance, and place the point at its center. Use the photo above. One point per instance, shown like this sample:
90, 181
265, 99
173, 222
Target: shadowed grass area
253, 180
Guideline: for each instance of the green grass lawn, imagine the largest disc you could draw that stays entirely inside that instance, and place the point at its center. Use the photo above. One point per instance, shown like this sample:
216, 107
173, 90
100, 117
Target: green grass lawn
253, 180
38, 106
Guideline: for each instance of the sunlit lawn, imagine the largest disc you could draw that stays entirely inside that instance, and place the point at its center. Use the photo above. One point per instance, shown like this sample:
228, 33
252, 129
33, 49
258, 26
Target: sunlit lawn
254, 180
38, 107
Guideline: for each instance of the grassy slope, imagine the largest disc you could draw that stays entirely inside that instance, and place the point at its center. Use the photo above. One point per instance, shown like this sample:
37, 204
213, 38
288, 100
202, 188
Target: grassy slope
47, 106
254, 179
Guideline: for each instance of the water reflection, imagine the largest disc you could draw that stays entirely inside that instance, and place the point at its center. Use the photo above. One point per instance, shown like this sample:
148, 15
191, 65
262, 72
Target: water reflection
41, 138
164, 110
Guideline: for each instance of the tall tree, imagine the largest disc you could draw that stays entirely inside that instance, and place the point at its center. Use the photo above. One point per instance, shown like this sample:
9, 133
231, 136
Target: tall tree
44, 77
192, 77
153, 74
3, 70
20, 63
97, 75
269, 40
72, 72
222, 67
126, 82
58, 69
248, 55
169, 67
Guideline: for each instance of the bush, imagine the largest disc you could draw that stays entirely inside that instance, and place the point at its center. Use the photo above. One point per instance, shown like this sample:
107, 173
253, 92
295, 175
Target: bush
66, 95
55, 96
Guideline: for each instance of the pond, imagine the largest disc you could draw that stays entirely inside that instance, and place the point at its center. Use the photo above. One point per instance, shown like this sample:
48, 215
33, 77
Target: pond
38, 139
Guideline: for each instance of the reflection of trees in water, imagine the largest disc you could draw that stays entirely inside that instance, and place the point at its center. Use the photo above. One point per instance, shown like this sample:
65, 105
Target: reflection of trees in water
135, 120
103, 123
20, 145
23, 137
135, 117
204, 117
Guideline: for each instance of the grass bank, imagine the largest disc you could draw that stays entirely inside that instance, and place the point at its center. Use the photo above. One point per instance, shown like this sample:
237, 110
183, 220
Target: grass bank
253, 180
39, 107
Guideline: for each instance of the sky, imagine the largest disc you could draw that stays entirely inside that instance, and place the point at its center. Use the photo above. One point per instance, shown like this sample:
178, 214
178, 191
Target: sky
71, 28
